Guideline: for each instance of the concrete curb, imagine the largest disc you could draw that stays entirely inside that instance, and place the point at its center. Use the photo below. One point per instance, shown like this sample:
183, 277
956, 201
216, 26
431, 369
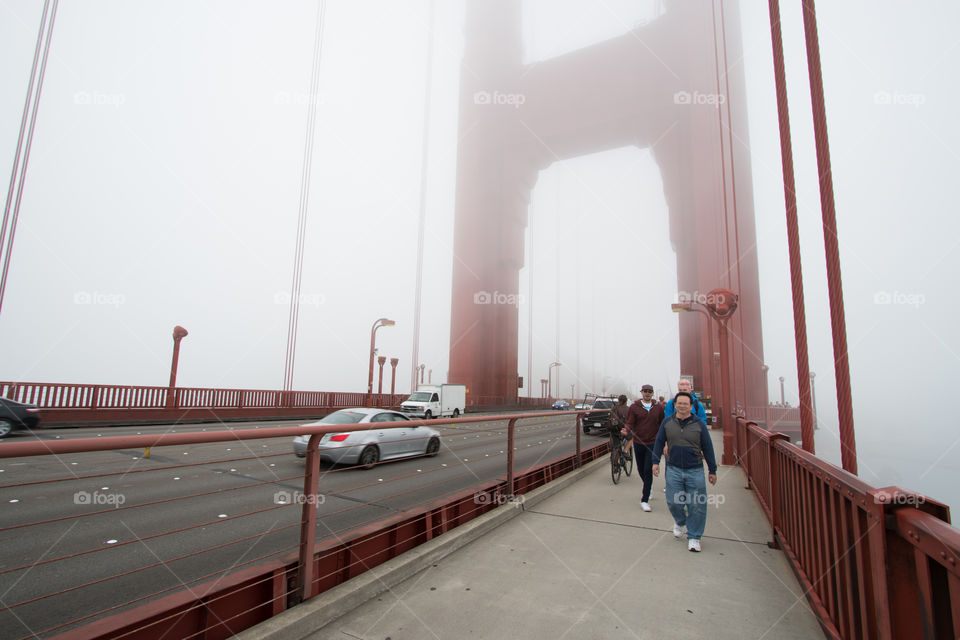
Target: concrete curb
307, 617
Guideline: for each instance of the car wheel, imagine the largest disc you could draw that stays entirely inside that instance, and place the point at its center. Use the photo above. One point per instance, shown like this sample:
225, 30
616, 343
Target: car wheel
369, 457
300, 455
428, 415
456, 413
433, 446
586, 429
5, 428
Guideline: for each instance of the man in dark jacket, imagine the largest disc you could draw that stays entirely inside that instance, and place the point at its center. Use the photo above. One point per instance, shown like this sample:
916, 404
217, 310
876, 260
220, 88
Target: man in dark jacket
618, 418
643, 422
690, 444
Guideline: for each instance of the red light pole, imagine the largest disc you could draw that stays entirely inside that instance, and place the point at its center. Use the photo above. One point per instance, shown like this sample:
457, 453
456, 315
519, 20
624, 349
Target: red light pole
721, 303
393, 374
381, 360
380, 322
179, 333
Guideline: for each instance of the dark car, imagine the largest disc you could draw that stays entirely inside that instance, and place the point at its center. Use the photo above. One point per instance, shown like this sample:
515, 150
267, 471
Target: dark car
16, 415
598, 420
561, 405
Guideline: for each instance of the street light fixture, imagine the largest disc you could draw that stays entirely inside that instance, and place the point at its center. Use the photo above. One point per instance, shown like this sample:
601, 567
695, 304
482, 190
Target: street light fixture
550, 378
720, 304
179, 333
813, 402
783, 401
380, 322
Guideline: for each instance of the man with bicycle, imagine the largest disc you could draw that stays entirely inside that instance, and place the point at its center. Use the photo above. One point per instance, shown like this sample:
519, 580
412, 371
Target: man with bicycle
618, 420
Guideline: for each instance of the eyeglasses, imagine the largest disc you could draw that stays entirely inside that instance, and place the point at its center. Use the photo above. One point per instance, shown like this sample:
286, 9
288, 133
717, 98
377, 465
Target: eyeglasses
646, 391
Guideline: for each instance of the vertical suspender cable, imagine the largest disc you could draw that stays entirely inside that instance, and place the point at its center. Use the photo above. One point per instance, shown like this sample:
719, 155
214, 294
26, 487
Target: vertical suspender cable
424, 155
848, 444
294, 317
18, 172
793, 231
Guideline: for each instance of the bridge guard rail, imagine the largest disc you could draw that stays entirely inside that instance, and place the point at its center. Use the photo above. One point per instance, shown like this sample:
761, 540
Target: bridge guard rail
873, 563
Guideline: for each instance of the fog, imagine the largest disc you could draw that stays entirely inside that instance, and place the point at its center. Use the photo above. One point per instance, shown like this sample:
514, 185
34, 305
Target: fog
164, 182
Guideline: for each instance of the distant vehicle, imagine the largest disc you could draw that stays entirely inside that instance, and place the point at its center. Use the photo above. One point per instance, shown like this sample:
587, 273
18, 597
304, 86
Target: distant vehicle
436, 401
367, 448
599, 420
582, 406
561, 405
17, 415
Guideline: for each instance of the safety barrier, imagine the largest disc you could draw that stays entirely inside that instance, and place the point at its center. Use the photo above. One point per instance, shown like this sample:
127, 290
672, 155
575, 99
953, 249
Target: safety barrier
873, 563
115, 549
64, 404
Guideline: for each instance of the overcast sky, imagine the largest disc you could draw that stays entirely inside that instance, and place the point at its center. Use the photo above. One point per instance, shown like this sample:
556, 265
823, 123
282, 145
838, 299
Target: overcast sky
165, 174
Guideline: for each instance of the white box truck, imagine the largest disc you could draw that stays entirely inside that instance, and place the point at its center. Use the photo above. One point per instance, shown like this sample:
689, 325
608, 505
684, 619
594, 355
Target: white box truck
436, 401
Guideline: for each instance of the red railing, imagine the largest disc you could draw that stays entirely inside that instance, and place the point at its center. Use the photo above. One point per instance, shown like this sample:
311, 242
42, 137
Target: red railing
152, 579
873, 563
94, 404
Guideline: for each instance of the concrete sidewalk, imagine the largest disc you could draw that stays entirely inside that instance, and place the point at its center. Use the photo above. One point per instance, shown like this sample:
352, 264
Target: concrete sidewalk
586, 562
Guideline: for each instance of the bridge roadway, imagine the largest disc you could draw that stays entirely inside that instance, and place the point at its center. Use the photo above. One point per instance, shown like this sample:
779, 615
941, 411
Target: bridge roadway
470, 454
580, 560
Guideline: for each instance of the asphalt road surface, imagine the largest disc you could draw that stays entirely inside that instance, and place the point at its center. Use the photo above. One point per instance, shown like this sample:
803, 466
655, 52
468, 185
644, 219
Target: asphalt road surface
88, 534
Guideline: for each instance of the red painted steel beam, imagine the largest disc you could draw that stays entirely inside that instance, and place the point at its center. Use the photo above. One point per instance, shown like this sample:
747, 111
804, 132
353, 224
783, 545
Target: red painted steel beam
848, 443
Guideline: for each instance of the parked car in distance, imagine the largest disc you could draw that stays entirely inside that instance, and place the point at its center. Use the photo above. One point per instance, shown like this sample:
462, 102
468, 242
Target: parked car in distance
561, 405
367, 448
17, 415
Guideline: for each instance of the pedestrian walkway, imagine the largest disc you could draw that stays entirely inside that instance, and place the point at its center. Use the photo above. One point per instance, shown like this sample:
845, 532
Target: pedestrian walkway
587, 562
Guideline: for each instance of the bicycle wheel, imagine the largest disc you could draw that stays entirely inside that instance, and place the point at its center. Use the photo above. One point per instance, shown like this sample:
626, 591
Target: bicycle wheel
627, 464
615, 466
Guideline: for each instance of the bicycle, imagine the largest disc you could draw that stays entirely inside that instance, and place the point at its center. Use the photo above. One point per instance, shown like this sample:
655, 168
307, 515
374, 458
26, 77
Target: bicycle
619, 463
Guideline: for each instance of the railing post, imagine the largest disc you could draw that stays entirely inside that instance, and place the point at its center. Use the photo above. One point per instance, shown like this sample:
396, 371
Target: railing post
774, 479
877, 508
308, 519
579, 459
510, 440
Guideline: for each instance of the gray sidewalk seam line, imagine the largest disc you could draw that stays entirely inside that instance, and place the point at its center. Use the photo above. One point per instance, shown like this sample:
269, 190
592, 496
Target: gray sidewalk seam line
313, 614
640, 526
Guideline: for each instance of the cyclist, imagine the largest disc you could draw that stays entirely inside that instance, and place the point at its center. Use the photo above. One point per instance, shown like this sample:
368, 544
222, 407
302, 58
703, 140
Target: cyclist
620, 436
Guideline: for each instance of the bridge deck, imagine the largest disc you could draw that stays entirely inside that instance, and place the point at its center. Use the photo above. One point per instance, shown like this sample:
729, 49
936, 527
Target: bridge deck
588, 563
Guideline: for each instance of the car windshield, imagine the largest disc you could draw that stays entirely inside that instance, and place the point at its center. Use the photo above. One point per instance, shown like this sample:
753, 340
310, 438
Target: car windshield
343, 417
603, 404
420, 396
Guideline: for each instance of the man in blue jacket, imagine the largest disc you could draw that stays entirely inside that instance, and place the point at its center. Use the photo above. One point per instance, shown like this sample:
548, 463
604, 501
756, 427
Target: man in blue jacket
689, 444
684, 384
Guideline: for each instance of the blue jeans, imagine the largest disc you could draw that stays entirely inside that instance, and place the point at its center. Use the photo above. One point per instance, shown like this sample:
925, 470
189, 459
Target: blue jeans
687, 499
643, 457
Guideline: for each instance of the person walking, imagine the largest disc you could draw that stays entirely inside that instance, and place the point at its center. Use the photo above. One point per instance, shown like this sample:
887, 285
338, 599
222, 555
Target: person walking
686, 386
643, 423
690, 444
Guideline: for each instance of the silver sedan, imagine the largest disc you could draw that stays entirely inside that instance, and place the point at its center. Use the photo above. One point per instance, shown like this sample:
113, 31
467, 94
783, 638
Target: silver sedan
367, 448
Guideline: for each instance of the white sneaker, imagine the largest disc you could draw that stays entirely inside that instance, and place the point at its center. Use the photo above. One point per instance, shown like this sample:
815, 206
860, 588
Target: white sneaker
645, 506
678, 531
694, 545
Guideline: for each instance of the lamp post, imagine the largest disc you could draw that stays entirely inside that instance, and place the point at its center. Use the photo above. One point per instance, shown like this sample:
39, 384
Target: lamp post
783, 402
393, 374
720, 304
688, 306
380, 322
766, 397
381, 360
422, 367
813, 402
550, 378
543, 387
179, 333
429, 376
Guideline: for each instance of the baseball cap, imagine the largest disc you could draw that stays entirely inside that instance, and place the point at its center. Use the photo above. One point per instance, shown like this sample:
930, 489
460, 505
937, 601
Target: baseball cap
646, 387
